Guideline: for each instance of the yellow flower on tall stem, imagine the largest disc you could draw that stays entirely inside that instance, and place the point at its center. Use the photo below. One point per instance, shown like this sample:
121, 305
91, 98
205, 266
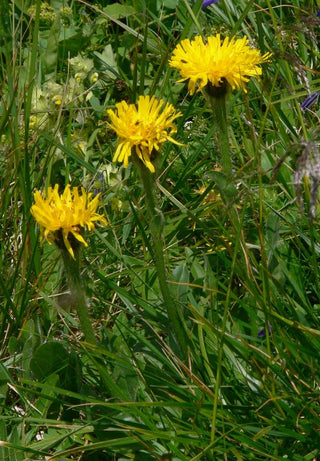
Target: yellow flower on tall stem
63, 217
215, 66
216, 62
142, 128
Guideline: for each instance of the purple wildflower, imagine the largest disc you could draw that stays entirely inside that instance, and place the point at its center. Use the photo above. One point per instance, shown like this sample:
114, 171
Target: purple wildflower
262, 333
99, 185
310, 100
318, 14
209, 2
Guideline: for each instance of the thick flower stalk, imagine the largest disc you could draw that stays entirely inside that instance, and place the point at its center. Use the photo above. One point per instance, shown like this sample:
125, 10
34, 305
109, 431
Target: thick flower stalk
142, 128
215, 62
62, 218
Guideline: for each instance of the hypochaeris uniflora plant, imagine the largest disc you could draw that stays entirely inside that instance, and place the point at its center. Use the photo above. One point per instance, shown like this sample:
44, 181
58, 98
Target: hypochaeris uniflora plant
62, 218
217, 66
142, 128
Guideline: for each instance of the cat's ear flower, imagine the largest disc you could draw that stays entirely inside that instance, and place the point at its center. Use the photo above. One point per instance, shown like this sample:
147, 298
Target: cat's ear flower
216, 62
142, 128
63, 217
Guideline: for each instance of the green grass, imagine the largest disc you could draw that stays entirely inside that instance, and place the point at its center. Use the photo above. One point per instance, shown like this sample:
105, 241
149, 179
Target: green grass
237, 396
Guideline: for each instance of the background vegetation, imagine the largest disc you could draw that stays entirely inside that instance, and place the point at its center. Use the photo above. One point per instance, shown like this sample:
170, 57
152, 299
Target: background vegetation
250, 300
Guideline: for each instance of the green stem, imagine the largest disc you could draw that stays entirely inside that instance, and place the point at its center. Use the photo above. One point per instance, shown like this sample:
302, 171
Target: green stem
78, 294
218, 105
217, 100
219, 366
156, 230
218, 380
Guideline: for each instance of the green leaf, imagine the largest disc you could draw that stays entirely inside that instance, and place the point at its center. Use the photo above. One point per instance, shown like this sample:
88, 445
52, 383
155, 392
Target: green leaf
107, 59
5, 378
181, 278
51, 357
117, 11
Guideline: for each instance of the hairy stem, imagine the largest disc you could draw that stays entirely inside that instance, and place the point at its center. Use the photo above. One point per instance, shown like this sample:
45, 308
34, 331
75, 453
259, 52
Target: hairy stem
156, 230
78, 293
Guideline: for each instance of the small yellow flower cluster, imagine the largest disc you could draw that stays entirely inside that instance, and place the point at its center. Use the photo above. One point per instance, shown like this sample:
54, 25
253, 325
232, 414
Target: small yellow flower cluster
39, 109
54, 92
94, 77
51, 95
66, 11
47, 13
82, 68
66, 15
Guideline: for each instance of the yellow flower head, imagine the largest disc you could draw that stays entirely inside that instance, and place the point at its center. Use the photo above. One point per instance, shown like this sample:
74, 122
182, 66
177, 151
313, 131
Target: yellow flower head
68, 213
216, 62
142, 128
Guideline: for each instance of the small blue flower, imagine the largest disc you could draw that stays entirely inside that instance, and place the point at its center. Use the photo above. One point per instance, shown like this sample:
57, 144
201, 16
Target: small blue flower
98, 190
262, 333
318, 14
310, 101
208, 2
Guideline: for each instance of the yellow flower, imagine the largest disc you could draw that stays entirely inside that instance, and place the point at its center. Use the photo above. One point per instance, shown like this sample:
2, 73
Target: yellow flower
57, 100
94, 77
142, 128
216, 62
68, 213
